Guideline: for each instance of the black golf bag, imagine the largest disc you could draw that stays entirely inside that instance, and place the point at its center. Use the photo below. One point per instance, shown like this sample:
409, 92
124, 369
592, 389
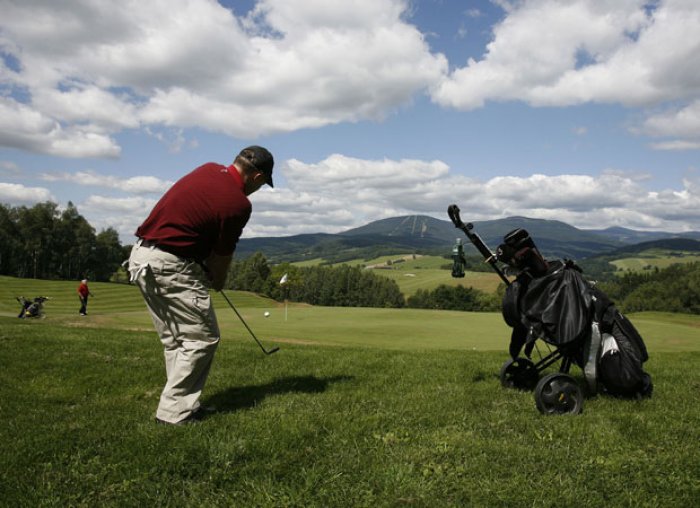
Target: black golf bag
31, 308
551, 304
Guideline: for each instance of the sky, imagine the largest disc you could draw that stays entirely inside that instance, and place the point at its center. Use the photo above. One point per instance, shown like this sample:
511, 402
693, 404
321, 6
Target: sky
584, 111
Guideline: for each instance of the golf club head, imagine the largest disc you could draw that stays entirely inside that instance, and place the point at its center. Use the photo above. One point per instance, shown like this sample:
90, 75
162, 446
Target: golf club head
273, 350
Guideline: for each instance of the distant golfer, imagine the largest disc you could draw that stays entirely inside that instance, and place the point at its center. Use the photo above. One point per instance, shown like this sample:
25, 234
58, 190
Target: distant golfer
197, 222
83, 293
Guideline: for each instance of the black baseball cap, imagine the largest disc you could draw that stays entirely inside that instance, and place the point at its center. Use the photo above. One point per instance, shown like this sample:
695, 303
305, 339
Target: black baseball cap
261, 159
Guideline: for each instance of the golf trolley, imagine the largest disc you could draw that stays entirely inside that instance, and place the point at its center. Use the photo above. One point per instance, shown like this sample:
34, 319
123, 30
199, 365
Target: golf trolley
31, 308
550, 302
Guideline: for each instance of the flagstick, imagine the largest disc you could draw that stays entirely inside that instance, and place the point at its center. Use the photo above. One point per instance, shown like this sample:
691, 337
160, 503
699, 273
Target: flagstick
283, 282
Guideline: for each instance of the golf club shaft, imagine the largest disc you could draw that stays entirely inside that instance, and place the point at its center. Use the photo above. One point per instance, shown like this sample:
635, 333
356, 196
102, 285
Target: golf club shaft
274, 350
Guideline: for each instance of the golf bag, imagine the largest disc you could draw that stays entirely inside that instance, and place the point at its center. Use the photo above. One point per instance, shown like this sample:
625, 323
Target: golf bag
567, 312
550, 303
31, 308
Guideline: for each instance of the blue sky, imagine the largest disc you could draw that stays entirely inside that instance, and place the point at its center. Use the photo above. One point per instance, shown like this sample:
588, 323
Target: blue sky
585, 111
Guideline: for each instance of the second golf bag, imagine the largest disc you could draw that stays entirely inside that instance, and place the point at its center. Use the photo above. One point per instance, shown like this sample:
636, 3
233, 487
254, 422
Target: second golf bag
31, 308
552, 303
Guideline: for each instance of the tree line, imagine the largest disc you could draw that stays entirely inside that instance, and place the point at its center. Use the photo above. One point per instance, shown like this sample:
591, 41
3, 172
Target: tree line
348, 286
42, 242
458, 297
672, 289
342, 286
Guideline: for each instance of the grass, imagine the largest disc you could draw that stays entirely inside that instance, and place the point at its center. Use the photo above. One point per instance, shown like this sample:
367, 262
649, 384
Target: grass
425, 272
351, 412
654, 258
421, 272
120, 306
411, 280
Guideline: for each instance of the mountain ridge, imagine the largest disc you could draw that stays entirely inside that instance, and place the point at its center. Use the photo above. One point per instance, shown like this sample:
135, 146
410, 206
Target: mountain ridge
425, 234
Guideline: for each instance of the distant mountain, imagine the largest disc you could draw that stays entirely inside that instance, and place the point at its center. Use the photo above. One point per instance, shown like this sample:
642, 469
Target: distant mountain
630, 236
666, 244
414, 226
284, 248
554, 238
428, 235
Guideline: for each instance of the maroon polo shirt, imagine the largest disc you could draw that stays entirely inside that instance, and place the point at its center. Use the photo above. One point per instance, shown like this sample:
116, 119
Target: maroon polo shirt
203, 212
83, 290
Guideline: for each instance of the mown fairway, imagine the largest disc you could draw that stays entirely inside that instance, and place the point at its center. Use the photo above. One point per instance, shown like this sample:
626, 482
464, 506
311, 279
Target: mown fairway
360, 407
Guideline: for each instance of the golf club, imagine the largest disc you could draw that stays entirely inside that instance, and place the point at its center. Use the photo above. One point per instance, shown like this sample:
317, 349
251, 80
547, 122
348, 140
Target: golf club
273, 350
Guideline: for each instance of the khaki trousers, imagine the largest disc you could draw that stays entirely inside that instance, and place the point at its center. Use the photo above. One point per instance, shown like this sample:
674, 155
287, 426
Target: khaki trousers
184, 318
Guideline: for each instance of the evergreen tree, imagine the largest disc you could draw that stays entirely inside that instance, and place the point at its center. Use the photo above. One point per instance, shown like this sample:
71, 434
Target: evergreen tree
108, 251
454, 298
41, 242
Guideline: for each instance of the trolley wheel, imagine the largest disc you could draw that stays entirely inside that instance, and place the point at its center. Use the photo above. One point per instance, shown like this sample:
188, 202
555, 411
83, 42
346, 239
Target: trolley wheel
519, 373
558, 394
648, 386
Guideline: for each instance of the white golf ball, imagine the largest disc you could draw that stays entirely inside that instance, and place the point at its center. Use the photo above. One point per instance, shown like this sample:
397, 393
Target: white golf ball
267, 314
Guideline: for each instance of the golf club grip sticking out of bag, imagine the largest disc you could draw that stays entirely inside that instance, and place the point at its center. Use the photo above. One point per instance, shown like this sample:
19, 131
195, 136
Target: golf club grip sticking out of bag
475, 239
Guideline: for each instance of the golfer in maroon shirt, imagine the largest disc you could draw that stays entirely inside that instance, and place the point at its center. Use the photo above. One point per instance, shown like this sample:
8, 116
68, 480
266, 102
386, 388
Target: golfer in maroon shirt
196, 224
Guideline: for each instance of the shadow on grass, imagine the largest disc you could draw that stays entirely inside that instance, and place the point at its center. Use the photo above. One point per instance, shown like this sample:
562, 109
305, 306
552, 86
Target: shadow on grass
245, 397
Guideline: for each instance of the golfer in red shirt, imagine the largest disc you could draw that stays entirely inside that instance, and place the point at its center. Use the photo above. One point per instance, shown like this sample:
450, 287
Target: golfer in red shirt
83, 293
197, 223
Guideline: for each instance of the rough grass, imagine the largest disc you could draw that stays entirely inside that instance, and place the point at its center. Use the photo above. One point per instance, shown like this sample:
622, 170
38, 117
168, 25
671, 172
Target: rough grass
326, 426
360, 407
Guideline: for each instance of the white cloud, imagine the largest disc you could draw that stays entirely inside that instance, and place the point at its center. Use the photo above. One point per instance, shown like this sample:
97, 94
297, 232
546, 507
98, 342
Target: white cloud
341, 172
340, 193
556, 53
683, 123
17, 194
88, 70
122, 214
28, 129
109, 204
103, 109
676, 145
136, 184
94, 68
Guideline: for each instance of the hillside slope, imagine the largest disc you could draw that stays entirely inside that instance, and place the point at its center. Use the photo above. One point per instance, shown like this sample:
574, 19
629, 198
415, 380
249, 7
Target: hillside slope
428, 235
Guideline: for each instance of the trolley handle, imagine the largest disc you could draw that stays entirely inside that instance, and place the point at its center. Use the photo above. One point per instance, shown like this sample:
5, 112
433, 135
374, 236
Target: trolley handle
475, 239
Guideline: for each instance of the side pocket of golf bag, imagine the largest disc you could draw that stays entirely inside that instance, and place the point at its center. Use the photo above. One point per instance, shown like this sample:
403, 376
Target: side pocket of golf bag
620, 366
512, 317
511, 304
